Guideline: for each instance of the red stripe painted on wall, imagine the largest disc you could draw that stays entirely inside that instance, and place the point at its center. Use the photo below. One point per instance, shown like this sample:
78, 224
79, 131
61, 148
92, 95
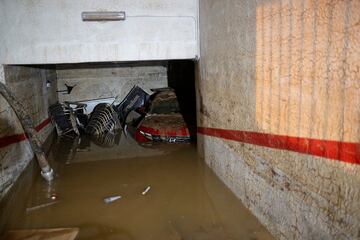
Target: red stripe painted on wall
8, 140
342, 151
43, 124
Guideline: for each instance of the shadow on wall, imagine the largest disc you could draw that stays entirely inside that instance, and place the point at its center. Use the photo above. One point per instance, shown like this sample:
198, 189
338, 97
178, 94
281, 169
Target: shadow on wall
10, 129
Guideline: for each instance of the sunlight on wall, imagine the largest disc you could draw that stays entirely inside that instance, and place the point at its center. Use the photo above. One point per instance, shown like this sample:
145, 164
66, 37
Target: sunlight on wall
307, 68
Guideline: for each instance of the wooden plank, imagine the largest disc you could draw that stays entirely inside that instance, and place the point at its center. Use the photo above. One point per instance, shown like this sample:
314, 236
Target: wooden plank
49, 234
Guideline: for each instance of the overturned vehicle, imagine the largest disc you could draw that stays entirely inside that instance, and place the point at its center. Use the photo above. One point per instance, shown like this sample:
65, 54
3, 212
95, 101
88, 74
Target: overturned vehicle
159, 119
147, 118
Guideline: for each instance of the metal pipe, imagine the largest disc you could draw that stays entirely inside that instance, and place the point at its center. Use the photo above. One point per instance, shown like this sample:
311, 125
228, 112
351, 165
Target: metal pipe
28, 125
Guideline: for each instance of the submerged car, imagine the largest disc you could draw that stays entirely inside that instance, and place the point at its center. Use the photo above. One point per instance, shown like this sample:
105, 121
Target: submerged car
161, 119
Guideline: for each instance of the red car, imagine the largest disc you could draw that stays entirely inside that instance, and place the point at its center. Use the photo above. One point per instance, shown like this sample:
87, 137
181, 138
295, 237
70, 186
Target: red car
162, 120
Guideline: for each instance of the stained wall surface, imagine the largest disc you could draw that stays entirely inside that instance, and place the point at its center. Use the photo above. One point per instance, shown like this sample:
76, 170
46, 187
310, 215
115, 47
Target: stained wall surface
279, 111
106, 80
28, 84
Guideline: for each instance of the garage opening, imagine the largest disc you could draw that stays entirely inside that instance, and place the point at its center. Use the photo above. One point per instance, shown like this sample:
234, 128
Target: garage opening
126, 182
165, 89
103, 136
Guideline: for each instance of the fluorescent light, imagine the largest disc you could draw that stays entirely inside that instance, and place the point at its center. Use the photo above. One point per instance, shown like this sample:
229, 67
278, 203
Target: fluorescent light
103, 16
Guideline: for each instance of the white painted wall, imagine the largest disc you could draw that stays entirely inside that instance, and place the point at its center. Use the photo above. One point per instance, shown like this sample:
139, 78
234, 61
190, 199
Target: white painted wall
51, 31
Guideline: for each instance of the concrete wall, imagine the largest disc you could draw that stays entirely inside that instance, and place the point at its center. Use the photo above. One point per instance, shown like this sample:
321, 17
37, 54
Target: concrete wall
94, 81
279, 111
29, 86
42, 31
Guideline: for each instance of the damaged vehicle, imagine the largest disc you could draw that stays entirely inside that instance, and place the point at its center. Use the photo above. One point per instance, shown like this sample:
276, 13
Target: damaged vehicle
64, 119
103, 120
148, 118
134, 100
160, 120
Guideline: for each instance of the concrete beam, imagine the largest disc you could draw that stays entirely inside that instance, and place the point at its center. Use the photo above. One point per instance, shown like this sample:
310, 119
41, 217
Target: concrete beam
39, 32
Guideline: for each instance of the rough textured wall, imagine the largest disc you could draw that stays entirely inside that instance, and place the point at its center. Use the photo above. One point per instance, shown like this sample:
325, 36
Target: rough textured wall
94, 81
29, 85
279, 111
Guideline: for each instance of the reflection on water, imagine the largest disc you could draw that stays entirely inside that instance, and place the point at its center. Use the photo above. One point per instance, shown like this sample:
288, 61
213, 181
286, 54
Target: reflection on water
109, 139
185, 201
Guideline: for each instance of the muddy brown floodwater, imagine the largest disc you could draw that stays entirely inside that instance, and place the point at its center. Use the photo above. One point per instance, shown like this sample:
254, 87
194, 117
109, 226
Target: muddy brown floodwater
185, 200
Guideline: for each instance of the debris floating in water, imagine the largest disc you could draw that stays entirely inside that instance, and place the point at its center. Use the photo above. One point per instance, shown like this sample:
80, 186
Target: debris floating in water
54, 196
111, 199
146, 190
29, 209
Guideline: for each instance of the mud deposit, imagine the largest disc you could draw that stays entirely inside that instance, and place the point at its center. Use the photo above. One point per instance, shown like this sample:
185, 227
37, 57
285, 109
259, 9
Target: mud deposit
185, 199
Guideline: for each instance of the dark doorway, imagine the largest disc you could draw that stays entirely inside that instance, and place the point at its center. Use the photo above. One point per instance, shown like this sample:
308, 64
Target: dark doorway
181, 77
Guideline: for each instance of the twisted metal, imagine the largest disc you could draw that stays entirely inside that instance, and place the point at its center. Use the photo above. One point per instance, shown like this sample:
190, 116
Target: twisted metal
103, 119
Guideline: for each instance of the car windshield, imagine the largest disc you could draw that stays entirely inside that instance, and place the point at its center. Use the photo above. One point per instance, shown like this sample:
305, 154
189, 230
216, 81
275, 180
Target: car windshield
164, 102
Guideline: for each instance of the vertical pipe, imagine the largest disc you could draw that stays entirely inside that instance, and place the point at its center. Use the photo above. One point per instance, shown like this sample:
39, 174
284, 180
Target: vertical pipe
28, 125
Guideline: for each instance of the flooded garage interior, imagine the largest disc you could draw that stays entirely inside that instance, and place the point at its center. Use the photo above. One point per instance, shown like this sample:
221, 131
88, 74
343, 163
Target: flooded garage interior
179, 203
192, 119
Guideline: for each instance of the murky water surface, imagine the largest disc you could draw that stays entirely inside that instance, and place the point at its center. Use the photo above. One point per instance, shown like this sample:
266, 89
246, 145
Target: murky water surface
185, 199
